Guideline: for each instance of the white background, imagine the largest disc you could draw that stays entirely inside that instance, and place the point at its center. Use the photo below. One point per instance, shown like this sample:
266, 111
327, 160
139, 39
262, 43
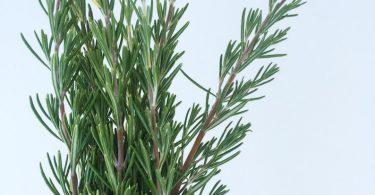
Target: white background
314, 134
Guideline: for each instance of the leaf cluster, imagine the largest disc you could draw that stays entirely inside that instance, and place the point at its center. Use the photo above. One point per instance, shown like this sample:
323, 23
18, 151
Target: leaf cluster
112, 105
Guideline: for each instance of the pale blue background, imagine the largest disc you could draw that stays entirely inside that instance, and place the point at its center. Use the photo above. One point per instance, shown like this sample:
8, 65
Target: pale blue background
314, 134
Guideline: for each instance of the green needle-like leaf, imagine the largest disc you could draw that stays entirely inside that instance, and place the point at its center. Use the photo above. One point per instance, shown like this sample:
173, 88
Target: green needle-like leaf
113, 107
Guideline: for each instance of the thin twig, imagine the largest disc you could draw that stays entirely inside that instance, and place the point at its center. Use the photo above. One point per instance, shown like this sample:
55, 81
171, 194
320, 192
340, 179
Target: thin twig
73, 174
120, 163
245, 54
155, 145
63, 122
58, 3
167, 23
152, 97
74, 182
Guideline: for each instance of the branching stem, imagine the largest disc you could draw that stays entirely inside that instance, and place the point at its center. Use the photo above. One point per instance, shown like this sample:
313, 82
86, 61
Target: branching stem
245, 54
155, 145
120, 164
73, 174
153, 98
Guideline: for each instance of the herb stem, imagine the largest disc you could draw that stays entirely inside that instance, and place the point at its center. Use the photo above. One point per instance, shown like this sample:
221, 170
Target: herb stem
245, 54
155, 145
73, 174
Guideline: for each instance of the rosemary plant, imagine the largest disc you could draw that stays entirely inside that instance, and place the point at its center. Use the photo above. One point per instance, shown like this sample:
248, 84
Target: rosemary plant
112, 106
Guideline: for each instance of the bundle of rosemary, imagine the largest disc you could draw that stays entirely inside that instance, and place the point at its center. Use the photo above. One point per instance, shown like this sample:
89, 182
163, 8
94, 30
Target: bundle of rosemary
112, 106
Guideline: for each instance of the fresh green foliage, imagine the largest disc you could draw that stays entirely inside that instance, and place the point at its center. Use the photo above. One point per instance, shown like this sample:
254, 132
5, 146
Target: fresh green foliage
113, 108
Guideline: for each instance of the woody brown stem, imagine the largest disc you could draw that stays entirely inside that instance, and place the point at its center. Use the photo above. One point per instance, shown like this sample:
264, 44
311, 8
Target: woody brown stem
245, 54
73, 174
120, 162
63, 122
120, 128
74, 182
155, 145
152, 98
190, 158
120, 152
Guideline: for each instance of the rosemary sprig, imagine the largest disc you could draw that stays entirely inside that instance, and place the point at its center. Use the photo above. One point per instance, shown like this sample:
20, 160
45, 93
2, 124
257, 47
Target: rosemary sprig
112, 105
